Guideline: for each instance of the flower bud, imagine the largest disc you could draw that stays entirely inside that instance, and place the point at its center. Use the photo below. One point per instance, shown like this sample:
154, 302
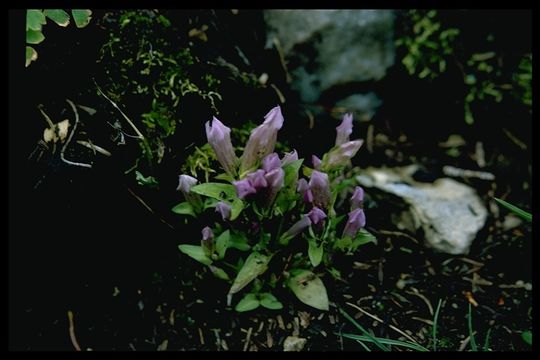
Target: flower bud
244, 188
207, 242
316, 162
219, 138
341, 155
289, 158
356, 221
271, 162
224, 209
320, 188
316, 215
257, 179
344, 130
357, 198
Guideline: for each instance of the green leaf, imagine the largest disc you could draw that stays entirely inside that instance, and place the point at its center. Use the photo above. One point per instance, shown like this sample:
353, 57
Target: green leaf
148, 181
308, 288
222, 242
31, 55
363, 237
236, 208
34, 36
81, 17
291, 172
269, 301
255, 265
315, 252
217, 191
405, 344
527, 337
249, 302
219, 273
184, 208
34, 20
522, 213
239, 242
196, 252
59, 16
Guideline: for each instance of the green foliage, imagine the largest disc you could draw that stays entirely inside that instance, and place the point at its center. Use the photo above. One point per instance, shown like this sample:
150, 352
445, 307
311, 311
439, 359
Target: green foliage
145, 67
35, 19
431, 48
427, 43
149, 181
527, 337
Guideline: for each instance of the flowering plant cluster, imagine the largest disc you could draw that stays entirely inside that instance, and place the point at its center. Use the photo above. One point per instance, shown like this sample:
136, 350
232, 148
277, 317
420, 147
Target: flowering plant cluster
274, 226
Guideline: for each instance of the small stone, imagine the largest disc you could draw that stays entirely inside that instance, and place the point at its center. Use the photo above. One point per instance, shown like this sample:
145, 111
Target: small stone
294, 343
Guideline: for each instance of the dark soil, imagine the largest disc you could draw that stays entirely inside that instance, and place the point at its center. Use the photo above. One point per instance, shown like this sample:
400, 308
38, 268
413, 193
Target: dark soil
82, 242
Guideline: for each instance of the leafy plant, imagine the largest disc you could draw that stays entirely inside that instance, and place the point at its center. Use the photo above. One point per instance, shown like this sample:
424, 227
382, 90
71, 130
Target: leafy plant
35, 19
287, 224
431, 47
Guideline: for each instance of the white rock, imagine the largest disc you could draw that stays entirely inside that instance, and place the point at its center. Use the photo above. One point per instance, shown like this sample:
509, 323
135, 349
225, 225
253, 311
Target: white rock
294, 343
449, 212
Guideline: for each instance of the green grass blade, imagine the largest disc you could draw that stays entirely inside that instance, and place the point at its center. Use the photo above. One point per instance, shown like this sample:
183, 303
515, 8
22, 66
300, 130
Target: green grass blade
364, 331
472, 341
406, 344
486, 342
525, 215
435, 319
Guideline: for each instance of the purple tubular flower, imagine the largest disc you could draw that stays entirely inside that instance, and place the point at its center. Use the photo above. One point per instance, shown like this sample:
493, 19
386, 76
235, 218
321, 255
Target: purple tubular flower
316, 215
320, 188
316, 162
344, 130
303, 188
271, 162
219, 138
224, 209
276, 180
341, 155
262, 140
185, 183
257, 179
356, 221
289, 158
357, 198
296, 229
207, 242
244, 188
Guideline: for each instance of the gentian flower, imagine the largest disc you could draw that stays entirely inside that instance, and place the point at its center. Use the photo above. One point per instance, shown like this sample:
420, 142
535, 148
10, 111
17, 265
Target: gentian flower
289, 158
341, 155
357, 198
271, 162
262, 140
316, 215
244, 188
356, 221
344, 130
257, 179
224, 209
207, 242
295, 229
219, 138
320, 188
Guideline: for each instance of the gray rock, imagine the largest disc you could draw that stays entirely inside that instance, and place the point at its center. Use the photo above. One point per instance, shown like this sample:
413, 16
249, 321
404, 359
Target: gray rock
324, 48
449, 212
294, 343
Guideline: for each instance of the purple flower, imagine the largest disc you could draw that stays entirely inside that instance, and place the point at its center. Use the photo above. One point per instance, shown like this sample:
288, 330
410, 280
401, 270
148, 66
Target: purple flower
344, 130
320, 188
207, 242
219, 138
289, 158
356, 221
276, 180
244, 188
296, 229
357, 198
262, 140
185, 183
316, 215
316, 162
224, 209
303, 188
341, 155
257, 179
271, 162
